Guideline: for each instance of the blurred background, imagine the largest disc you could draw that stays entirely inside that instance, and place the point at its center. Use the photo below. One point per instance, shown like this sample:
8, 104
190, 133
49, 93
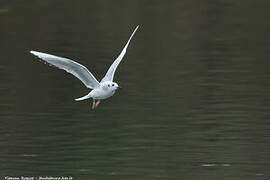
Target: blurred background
195, 99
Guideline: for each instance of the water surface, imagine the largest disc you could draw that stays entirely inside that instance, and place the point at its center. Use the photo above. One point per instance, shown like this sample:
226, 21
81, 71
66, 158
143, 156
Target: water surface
195, 98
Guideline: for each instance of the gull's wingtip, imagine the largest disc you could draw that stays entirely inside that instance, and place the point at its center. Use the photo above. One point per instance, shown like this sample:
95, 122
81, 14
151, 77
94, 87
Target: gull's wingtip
35, 53
133, 32
32, 52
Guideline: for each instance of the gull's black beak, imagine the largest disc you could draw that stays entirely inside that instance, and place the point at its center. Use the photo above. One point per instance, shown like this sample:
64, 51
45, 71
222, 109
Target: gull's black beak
119, 87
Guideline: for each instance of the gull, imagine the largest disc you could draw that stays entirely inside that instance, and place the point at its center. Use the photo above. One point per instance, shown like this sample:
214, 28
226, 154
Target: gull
100, 90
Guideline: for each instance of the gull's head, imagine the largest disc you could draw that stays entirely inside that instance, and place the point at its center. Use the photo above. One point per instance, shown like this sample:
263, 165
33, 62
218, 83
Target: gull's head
114, 86
111, 86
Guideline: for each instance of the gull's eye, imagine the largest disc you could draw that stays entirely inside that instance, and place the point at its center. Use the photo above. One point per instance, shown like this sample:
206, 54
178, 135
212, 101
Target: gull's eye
112, 84
108, 85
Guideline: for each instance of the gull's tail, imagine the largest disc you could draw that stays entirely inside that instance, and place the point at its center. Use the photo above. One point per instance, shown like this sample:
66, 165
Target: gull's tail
83, 98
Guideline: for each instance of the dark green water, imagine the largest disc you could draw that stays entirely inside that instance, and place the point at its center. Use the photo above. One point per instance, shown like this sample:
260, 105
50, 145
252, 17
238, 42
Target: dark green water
195, 100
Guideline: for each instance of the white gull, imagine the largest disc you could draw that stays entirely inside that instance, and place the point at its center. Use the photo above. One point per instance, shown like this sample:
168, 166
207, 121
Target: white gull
100, 90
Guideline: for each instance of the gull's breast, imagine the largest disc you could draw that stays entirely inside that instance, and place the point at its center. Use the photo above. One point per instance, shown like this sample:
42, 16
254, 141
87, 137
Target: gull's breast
101, 94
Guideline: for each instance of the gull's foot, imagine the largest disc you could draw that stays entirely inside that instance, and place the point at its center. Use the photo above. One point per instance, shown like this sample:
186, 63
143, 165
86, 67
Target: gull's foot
97, 103
93, 105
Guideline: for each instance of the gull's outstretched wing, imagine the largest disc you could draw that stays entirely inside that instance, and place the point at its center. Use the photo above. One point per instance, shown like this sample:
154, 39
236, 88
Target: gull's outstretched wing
110, 73
70, 66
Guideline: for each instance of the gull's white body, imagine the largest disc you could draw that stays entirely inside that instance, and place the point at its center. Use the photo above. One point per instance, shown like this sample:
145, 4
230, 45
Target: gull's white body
100, 90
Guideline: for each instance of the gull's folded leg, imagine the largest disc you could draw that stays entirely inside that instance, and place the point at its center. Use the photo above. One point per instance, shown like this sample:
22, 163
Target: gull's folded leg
97, 103
93, 105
